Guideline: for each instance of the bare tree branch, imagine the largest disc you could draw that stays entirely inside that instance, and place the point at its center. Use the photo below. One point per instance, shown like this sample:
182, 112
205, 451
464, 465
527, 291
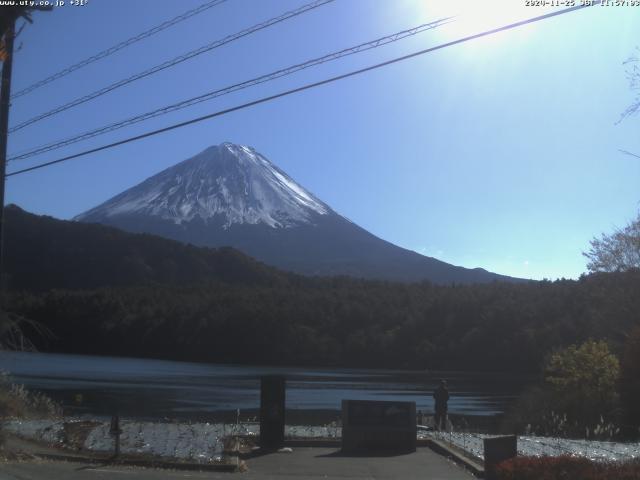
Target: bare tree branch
616, 252
633, 75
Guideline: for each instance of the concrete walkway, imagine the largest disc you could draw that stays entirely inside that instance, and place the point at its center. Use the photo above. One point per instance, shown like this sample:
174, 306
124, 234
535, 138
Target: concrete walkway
327, 463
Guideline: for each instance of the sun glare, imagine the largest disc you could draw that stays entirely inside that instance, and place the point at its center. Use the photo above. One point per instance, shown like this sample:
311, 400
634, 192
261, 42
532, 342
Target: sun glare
474, 16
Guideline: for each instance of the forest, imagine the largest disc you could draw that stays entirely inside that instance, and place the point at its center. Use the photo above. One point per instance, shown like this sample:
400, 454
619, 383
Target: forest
97, 290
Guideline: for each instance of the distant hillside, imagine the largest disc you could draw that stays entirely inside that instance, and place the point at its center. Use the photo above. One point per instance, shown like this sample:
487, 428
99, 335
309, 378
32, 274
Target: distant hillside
43, 253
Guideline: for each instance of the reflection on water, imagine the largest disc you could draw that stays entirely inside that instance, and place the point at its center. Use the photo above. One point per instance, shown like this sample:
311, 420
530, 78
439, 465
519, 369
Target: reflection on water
158, 388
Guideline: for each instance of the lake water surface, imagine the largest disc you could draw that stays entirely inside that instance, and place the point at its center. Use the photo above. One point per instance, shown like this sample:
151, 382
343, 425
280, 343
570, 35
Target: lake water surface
158, 388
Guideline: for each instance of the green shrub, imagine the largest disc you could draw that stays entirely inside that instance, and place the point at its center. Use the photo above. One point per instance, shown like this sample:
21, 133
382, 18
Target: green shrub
578, 397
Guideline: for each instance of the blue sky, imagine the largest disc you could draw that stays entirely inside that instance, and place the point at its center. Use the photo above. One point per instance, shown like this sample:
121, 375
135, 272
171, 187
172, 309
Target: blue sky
501, 153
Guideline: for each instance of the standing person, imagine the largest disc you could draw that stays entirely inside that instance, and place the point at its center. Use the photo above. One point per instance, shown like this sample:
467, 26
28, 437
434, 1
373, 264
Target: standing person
441, 396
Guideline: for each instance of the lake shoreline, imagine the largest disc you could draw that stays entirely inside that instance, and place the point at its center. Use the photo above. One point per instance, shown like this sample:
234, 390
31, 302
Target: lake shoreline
163, 389
299, 417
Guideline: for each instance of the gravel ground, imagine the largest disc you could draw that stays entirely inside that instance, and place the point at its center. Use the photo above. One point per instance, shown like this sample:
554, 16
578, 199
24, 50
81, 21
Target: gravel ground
197, 442
204, 442
544, 446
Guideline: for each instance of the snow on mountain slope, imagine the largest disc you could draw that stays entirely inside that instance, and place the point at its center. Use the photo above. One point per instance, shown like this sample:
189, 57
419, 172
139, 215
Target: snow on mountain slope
230, 195
229, 181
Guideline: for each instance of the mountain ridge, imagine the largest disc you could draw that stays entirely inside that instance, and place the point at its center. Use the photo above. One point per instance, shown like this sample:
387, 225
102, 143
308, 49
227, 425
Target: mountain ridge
44, 253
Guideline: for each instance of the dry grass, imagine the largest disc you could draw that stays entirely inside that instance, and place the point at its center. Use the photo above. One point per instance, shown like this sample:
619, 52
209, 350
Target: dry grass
17, 401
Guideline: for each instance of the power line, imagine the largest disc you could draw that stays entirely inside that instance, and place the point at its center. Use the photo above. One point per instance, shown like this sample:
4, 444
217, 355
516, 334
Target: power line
175, 61
626, 152
233, 88
117, 47
302, 88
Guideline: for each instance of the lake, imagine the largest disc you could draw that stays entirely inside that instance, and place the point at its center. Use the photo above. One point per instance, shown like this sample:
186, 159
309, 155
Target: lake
166, 389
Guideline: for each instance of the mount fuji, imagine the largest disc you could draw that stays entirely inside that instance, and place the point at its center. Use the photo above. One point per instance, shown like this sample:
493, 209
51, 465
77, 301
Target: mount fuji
231, 195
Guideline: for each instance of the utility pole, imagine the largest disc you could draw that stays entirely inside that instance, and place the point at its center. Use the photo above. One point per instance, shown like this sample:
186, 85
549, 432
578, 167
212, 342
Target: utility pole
9, 17
5, 94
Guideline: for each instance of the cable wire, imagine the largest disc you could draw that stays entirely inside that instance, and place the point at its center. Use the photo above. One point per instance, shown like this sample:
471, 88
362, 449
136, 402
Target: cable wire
303, 88
627, 152
232, 88
117, 47
175, 61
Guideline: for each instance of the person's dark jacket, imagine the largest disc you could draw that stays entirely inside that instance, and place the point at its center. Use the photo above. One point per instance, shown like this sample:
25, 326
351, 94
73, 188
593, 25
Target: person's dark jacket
441, 396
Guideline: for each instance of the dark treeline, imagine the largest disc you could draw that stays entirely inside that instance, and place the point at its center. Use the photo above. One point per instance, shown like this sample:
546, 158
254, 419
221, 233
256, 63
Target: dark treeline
102, 291
42, 253
340, 321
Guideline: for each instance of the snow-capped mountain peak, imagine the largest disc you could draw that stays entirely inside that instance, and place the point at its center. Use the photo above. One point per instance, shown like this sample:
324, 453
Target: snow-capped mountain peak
231, 183
231, 196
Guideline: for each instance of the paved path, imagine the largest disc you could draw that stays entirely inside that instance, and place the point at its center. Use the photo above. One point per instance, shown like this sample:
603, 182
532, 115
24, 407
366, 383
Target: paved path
326, 463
